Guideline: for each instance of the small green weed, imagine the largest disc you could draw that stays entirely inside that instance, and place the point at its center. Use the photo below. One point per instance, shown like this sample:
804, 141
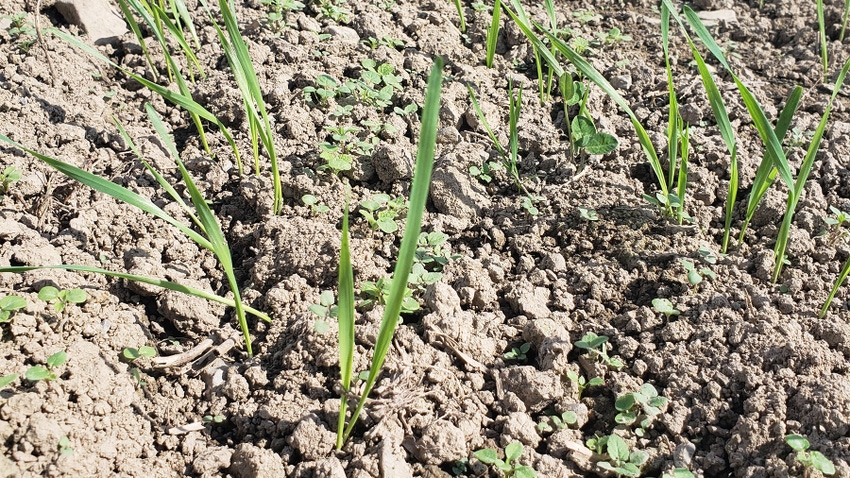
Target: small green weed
809, 459
510, 466
582, 383
381, 211
620, 461
333, 9
679, 473
7, 379
325, 309
378, 292
21, 30
433, 250
132, 353
695, 275
588, 214
62, 297
279, 9
837, 218
639, 408
8, 305
613, 35
314, 203
48, 372
557, 422
518, 353
9, 176
665, 307
597, 347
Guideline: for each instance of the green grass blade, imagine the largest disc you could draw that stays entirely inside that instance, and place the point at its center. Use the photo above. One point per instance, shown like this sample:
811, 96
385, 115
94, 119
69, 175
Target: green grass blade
253, 94
177, 33
803, 176
493, 33
418, 198
844, 20
766, 173
159, 178
682, 184
771, 142
841, 278
179, 6
109, 188
178, 99
513, 130
673, 113
345, 317
824, 53
216, 237
459, 7
593, 75
484, 122
143, 279
134, 26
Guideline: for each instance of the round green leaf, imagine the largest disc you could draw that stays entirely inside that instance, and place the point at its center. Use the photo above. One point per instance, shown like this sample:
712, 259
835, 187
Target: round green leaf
600, 143
797, 442
617, 448
513, 451
524, 472
12, 302
147, 351
625, 402
48, 293
487, 455
131, 353
36, 373
822, 463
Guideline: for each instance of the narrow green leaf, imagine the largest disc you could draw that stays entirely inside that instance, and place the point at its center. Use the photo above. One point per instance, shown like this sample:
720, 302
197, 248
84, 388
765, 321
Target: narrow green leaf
493, 33
346, 323
146, 280
842, 276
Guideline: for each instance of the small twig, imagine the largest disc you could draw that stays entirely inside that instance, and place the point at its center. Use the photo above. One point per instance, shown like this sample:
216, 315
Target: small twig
41, 41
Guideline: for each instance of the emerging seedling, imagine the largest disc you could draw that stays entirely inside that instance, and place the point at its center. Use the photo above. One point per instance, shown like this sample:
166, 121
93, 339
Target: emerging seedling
40, 372
378, 292
131, 353
8, 305
665, 306
695, 275
510, 466
556, 422
65, 448
588, 214
679, 473
9, 176
518, 353
62, 297
639, 407
314, 203
809, 459
583, 383
380, 212
7, 379
597, 347
620, 460
325, 309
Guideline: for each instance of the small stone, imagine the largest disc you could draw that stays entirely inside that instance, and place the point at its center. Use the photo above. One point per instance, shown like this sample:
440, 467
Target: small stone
441, 442
96, 17
344, 34
311, 438
537, 389
212, 460
520, 427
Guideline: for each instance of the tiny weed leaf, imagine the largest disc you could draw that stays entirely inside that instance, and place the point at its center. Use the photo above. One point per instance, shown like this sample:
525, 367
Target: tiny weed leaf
7, 379
57, 359
524, 472
617, 449
147, 351
12, 302
821, 463
48, 293
664, 306
131, 353
647, 390
76, 296
36, 373
513, 451
596, 381
601, 143
797, 442
488, 456
591, 341
625, 402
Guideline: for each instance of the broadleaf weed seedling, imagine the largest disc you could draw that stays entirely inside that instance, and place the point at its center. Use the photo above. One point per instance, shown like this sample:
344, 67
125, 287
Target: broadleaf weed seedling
378, 292
520, 354
695, 275
9, 176
597, 348
510, 466
621, 461
276, 17
381, 212
433, 250
679, 473
132, 353
326, 309
8, 305
65, 448
21, 30
62, 297
809, 459
314, 203
48, 371
666, 307
6, 380
557, 422
588, 214
639, 408
582, 383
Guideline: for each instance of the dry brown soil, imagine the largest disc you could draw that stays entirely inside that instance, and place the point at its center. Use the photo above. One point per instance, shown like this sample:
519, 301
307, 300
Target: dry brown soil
745, 362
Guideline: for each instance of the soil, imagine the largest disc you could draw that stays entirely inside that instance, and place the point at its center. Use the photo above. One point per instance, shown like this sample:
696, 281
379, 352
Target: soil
744, 363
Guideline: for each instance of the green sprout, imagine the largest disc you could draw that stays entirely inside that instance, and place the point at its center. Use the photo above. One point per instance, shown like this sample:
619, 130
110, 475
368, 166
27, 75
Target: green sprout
9, 176
582, 383
665, 307
557, 422
314, 203
62, 297
510, 466
132, 353
679, 473
381, 211
621, 461
809, 459
639, 408
597, 347
695, 275
837, 218
378, 293
276, 17
21, 30
8, 305
48, 372
588, 214
325, 309
518, 353
7, 379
